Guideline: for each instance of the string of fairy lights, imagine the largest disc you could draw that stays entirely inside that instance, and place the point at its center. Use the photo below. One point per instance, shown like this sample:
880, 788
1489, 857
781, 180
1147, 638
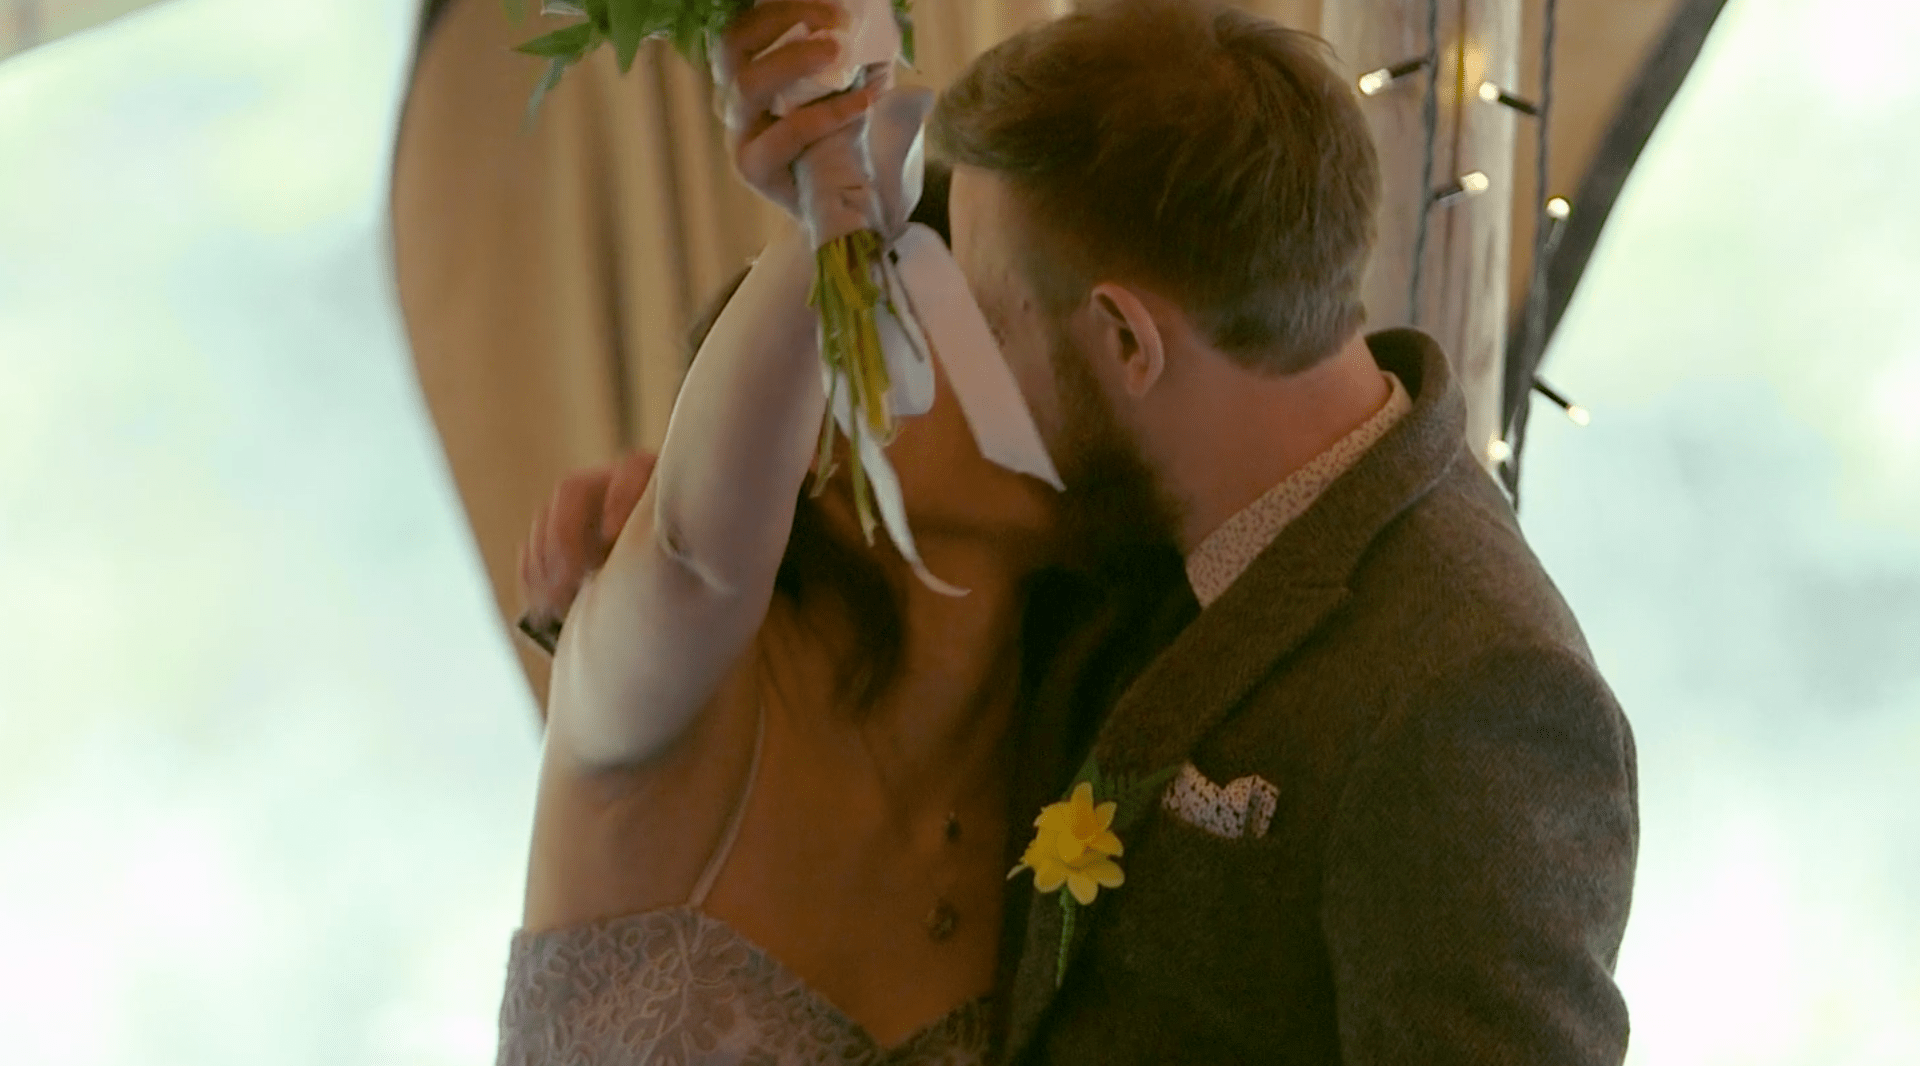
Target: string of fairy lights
1504, 448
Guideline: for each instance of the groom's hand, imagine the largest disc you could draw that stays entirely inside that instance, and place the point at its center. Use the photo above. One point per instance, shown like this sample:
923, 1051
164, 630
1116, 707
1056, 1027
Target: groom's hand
765, 147
571, 538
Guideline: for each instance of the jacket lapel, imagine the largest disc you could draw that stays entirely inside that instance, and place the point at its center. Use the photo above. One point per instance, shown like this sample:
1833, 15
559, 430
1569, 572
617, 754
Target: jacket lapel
1089, 640
1180, 698
1289, 592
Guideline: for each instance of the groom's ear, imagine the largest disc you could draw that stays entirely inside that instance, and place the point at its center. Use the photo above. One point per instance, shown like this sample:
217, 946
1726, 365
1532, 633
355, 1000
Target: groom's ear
1130, 335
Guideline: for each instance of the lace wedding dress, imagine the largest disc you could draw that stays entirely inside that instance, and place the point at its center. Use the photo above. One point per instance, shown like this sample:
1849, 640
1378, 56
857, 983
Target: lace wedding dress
676, 987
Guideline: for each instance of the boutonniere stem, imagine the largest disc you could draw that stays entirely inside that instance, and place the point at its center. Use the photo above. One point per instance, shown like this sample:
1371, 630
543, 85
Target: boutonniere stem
1075, 846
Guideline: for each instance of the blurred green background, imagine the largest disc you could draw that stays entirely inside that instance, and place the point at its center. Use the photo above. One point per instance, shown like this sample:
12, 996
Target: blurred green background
266, 762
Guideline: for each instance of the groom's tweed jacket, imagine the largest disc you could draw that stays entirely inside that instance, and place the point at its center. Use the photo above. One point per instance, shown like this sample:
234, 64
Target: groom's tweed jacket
1448, 870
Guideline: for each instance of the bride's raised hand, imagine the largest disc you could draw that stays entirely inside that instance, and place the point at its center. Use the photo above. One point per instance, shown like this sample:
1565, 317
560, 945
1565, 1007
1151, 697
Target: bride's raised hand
765, 147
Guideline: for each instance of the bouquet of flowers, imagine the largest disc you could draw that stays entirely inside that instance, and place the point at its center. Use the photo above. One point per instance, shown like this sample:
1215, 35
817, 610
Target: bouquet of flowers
888, 295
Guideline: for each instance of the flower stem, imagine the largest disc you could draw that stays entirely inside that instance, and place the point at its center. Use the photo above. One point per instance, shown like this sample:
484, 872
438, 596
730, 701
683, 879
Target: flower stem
1067, 907
846, 296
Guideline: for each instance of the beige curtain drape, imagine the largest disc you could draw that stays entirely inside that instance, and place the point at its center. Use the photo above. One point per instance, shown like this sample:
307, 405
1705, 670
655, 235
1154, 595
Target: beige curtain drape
547, 275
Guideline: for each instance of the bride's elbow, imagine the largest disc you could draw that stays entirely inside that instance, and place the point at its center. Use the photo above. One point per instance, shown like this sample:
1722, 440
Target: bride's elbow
645, 648
601, 728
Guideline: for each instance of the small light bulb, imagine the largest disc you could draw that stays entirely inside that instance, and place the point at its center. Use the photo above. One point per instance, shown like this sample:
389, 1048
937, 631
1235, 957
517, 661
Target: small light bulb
1559, 208
1465, 187
1499, 451
1492, 93
1373, 82
1579, 415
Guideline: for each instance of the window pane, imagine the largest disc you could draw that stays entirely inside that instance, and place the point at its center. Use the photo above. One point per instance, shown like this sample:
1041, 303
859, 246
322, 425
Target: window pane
265, 761
1739, 532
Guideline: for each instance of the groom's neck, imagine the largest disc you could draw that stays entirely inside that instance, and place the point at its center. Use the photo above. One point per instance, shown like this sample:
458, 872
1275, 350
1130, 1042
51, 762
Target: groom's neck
1228, 435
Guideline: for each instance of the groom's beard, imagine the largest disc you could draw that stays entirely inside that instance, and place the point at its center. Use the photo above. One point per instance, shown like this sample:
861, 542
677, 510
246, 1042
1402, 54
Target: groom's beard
1114, 507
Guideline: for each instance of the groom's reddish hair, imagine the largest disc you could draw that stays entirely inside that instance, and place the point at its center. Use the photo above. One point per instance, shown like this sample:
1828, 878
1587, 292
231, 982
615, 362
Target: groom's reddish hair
1189, 146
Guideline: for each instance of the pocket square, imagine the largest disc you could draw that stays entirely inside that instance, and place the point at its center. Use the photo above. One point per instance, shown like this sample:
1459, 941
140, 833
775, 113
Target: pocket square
1242, 807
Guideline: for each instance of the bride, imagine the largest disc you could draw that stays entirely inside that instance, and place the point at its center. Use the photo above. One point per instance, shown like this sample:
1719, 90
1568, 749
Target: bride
772, 823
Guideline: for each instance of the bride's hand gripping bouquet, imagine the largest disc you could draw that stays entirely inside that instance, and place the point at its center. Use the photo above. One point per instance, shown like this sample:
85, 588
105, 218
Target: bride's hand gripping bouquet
888, 295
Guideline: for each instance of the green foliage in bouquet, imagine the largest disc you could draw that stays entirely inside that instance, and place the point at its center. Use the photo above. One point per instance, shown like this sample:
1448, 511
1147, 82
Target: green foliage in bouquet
688, 24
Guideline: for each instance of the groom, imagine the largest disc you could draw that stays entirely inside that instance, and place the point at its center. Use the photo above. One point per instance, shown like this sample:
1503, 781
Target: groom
1394, 815
1401, 820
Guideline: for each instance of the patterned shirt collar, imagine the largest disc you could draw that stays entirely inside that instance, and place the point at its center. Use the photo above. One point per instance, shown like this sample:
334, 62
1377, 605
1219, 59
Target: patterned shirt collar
1226, 553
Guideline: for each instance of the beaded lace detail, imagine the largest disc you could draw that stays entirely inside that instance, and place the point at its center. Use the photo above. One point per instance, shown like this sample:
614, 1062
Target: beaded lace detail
676, 987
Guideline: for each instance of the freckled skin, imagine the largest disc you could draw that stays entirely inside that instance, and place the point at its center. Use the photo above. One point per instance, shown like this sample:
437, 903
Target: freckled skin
983, 244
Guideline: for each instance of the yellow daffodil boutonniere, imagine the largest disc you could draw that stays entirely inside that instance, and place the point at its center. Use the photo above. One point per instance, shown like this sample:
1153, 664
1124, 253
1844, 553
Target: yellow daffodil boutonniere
1075, 843
1075, 847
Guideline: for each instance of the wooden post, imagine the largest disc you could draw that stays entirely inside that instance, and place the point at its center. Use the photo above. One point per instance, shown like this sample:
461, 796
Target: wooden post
1463, 284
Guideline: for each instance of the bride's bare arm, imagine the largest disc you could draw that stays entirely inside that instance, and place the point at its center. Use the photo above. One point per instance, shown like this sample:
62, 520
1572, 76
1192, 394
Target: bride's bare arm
688, 583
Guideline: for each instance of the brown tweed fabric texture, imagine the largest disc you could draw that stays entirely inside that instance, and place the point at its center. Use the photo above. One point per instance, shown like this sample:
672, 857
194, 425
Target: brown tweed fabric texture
1448, 871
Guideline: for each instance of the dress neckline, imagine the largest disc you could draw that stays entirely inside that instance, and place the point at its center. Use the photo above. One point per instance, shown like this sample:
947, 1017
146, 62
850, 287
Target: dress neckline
955, 1021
